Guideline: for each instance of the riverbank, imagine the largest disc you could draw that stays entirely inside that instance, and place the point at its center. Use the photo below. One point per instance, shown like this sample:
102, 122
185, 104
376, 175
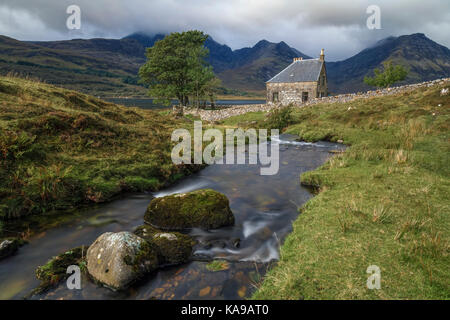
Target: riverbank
61, 150
383, 202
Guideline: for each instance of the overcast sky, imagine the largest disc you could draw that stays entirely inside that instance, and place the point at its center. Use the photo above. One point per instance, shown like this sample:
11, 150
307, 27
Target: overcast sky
338, 26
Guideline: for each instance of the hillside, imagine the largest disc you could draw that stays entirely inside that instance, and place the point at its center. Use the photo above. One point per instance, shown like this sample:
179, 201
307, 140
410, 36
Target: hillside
424, 58
383, 202
96, 66
60, 149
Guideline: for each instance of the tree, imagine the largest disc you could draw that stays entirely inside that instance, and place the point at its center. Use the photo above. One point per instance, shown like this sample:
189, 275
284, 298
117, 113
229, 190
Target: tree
211, 89
201, 76
386, 76
176, 67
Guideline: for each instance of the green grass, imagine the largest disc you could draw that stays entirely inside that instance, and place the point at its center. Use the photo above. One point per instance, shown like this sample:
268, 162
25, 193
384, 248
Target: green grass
217, 265
60, 150
248, 119
384, 202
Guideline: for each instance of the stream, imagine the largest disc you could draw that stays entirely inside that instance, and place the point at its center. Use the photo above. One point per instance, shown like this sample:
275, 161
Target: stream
264, 208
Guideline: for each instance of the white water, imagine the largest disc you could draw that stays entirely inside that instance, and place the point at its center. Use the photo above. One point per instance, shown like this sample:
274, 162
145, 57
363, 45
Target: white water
297, 143
182, 189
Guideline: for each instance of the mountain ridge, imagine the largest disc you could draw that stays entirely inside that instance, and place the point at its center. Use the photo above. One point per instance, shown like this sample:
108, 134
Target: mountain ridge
105, 66
424, 58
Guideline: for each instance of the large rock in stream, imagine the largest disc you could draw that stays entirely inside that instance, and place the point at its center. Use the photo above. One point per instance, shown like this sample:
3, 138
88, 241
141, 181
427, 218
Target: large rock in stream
119, 259
172, 247
204, 208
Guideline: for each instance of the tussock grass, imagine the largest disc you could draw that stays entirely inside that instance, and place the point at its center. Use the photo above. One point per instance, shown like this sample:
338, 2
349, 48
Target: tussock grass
60, 149
385, 201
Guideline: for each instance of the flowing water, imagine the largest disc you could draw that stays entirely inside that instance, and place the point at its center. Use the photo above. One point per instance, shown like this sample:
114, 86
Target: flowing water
264, 209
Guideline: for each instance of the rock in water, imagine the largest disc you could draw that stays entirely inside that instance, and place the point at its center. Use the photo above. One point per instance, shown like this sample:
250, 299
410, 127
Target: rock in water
204, 208
173, 247
9, 247
55, 270
118, 259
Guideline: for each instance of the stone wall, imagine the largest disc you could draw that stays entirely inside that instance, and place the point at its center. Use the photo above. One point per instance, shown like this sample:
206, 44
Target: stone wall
290, 92
217, 115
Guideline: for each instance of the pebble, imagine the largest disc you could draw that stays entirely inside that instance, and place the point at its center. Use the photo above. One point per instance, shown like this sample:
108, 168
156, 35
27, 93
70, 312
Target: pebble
242, 291
204, 292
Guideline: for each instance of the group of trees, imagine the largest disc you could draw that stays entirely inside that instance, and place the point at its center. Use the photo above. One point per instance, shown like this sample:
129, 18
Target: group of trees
176, 67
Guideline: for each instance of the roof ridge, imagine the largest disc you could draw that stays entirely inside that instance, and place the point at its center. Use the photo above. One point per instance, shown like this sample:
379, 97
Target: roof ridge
307, 59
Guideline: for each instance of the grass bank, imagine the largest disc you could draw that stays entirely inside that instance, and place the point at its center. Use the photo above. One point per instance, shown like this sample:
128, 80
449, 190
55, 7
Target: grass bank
60, 150
383, 202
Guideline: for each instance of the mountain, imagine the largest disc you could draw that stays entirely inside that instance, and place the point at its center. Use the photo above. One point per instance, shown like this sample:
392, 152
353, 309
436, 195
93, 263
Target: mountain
244, 69
424, 58
254, 66
144, 39
109, 67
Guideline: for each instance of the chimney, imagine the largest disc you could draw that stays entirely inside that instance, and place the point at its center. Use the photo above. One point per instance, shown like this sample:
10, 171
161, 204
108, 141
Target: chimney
322, 55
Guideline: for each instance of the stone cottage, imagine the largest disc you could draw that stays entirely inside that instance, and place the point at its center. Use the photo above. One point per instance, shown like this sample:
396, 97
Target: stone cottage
302, 80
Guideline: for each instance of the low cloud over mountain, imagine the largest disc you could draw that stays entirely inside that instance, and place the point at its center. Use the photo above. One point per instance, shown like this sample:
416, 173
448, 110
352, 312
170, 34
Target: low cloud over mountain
338, 26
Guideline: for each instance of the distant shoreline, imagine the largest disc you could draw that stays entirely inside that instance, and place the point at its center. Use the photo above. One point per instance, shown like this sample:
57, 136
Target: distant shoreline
218, 98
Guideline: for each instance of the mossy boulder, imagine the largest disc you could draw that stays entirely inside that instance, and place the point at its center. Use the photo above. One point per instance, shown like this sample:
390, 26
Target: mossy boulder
9, 246
173, 247
204, 208
119, 259
55, 270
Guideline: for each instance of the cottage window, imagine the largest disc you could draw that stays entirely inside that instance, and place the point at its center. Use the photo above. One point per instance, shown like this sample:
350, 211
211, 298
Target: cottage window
304, 96
275, 97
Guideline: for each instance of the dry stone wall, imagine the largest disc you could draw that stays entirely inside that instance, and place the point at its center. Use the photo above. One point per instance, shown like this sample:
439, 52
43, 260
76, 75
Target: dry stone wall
217, 115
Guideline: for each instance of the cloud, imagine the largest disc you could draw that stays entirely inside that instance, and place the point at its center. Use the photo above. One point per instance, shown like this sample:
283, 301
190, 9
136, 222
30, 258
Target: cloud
338, 26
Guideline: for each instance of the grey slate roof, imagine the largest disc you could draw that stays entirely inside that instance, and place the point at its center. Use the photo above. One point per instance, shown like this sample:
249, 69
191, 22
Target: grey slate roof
300, 71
